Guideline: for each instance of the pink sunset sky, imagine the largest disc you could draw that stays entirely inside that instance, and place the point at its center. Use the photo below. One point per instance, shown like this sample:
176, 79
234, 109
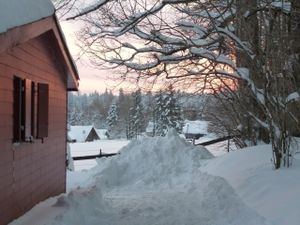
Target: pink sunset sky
91, 79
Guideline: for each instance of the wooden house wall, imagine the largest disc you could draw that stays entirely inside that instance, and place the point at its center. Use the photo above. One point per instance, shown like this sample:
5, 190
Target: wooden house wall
32, 172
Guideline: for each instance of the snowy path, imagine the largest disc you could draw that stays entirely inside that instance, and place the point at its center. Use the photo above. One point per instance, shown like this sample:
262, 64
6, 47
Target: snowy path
207, 200
182, 207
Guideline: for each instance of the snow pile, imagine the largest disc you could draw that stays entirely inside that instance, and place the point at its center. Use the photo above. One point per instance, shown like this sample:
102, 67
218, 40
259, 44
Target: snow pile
83, 206
209, 201
15, 13
151, 162
156, 181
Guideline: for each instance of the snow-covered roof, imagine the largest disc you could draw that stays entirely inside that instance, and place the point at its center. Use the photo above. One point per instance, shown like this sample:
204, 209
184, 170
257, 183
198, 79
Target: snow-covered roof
14, 13
282, 5
150, 127
195, 127
79, 133
18, 13
102, 133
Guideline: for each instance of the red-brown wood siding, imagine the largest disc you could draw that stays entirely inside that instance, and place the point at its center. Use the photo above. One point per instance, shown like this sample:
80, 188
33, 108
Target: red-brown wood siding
32, 172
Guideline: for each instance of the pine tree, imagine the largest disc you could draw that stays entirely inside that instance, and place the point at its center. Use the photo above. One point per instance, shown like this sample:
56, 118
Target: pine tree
74, 116
112, 117
136, 114
173, 112
158, 115
167, 113
148, 101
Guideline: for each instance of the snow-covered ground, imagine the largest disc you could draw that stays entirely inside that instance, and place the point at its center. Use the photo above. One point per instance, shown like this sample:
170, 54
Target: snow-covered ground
167, 181
219, 148
93, 148
275, 194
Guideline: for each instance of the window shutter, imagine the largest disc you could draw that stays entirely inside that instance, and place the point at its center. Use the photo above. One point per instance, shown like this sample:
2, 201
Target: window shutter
28, 108
17, 113
43, 108
34, 109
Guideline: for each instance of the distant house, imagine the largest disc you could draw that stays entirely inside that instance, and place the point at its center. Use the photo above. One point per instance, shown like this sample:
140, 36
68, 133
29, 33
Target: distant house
150, 129
83, 134
103, 133
195, 129
36, 71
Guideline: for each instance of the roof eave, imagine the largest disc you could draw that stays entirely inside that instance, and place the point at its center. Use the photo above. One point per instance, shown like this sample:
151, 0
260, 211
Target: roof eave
73, 77
23, 33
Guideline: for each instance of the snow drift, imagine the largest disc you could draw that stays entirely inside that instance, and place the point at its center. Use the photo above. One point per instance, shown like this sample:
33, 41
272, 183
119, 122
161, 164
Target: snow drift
275, 194
156, 181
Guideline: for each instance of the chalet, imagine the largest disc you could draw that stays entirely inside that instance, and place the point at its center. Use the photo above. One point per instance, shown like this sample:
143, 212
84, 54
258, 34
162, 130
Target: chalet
36, 71
83, 134
103, 133
194, 129
150, 129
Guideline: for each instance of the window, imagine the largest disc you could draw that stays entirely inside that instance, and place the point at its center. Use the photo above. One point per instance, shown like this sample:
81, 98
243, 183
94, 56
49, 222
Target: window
31, 102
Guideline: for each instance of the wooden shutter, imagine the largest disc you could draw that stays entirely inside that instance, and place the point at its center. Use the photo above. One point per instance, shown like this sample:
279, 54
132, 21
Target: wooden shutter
28, 109
18, 108
43, 108
34, 109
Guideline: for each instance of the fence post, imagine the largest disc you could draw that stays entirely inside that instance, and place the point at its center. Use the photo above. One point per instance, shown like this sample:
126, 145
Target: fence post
228, 143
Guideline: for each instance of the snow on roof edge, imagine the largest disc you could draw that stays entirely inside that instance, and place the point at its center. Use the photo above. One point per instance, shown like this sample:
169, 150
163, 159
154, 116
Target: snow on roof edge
15, 13
67, 49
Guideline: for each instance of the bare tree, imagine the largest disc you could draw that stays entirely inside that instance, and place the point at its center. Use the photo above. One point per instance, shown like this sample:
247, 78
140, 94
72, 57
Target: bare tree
64, 7
234, 47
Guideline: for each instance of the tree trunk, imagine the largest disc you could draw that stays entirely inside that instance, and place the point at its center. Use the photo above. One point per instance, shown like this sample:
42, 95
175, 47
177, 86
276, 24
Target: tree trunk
295, 38
295, 56
247, 29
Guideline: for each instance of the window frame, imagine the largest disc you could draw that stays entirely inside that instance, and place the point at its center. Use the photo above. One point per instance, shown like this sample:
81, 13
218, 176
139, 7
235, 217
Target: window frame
30, 110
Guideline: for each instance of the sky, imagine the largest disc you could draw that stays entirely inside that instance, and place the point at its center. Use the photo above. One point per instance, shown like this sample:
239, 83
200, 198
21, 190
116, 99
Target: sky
91, 79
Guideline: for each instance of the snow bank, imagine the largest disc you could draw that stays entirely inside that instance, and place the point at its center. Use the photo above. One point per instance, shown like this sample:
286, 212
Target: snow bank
275, 194
156, 181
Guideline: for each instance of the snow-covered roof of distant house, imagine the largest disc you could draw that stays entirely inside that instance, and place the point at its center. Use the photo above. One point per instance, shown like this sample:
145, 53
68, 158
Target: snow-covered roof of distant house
102, 133
150, 127
282, 5
79, 133
195, 127
14, 13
